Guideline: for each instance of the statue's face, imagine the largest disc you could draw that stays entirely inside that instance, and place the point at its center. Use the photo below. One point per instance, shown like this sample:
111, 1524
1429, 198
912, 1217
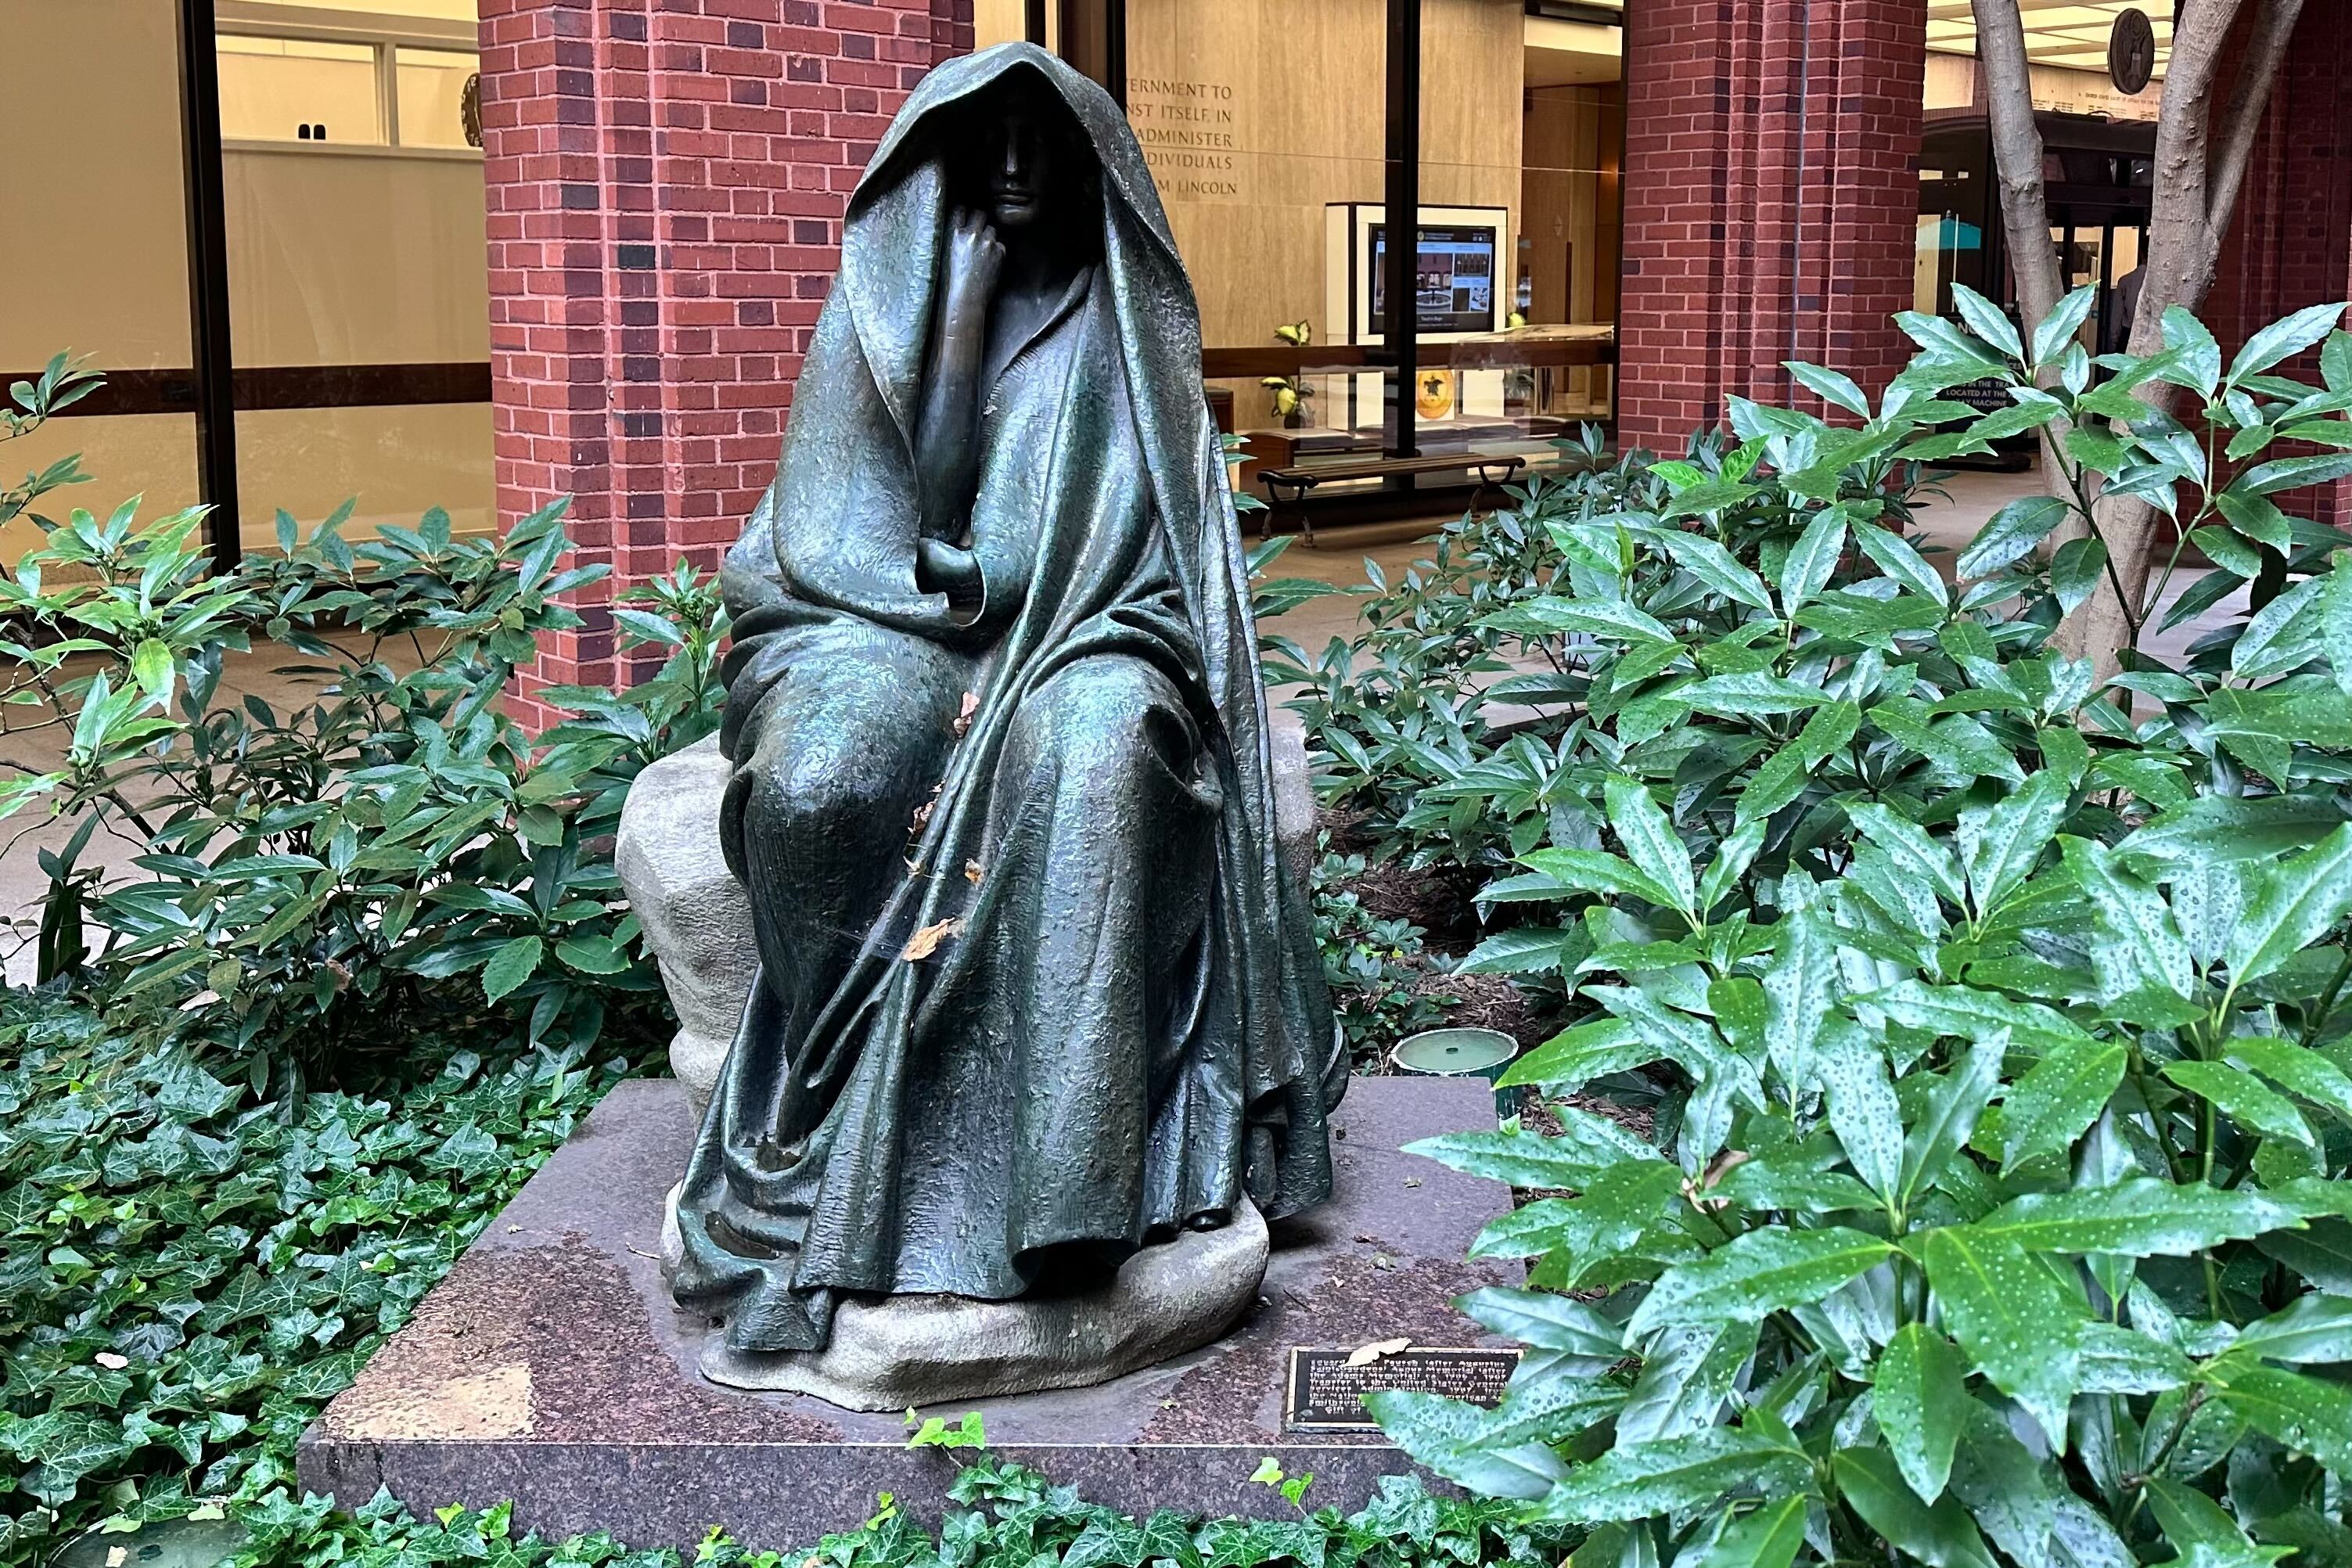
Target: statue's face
1019, 167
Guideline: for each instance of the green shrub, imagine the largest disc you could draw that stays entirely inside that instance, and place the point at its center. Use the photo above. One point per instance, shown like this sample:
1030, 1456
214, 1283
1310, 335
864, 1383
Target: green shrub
1377, 968
1449, 725
396, 855
1997, 1197
188, 1270
1003, 1515
369, 965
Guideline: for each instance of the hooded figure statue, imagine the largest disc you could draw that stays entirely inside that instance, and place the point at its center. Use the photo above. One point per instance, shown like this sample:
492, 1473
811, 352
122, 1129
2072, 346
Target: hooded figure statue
1035, 993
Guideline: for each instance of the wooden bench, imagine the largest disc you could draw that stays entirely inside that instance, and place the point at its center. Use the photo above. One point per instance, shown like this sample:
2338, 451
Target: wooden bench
1289, 487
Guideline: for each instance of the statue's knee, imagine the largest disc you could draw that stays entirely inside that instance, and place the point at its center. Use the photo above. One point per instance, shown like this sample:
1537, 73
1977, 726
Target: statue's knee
805, 799
1100, 710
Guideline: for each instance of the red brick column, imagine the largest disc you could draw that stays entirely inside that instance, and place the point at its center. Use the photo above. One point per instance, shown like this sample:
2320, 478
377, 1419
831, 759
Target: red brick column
2291, 242
665, 181
1772, 194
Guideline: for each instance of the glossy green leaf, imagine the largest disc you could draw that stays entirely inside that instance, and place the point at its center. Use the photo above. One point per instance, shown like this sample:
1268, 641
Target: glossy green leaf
2222, 827
1650, 843
2055, 334
1689, 1372
2297, 903
1601, 617
1585, 1051
1544, 1320
1782, 1181
1829, 386
1971, 1014
1445, 1435
1635, 1480
2315, 1329
1766, 1537
1914, 854
2113, 1359
2013, 1318
1714, 565
2140, 946
2304, 1414
1565, 872
1867, 1115
1588, 1144
2011, 533
1954, 1101
2284, 339
1921, 1400
151, 666
1525, 950
1955, 743
1940, 1534
514, 962
2139, 1218
2197, 358
2297, 1069
2059, 1098
1811, 561
2075, 568
2243, 1097
1758, 1274
1800, 989
1896, 558
2001, 843
1749, 696
1987, 320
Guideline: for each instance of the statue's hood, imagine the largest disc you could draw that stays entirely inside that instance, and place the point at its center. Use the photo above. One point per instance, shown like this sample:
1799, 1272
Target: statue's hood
1101, 123
893, 241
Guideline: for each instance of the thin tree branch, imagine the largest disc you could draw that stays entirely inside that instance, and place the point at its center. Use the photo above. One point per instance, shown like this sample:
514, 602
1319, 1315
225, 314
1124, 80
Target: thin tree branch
2241, 117
2181, 246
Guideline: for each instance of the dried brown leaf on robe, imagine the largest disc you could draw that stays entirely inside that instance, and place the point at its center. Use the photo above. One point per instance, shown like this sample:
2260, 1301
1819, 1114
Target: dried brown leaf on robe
926, 941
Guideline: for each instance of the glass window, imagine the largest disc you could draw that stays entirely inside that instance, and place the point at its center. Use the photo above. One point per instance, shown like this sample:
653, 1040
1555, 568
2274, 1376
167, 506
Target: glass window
118, 298
358, 285
1252, 157
298, 89
436, 93
1275, 181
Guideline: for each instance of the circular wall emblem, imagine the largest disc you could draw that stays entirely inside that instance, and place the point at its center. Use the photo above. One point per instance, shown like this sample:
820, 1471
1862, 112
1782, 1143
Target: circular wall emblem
470, 110
2131, 51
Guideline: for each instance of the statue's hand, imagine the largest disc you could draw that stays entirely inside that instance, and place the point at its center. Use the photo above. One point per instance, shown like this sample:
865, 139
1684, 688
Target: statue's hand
975, 256
950, 569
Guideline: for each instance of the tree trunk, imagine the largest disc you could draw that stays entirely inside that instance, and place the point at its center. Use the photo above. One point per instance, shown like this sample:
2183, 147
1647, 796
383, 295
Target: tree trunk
2017, 159
2201, 162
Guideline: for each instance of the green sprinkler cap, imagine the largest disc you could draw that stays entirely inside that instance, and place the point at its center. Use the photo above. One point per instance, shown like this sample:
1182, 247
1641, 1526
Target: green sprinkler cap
1455, 1053
159, 1543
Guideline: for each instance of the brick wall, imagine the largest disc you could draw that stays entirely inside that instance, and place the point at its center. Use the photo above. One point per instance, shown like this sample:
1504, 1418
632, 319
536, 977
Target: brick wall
1771, 188
2290, 244
665, 181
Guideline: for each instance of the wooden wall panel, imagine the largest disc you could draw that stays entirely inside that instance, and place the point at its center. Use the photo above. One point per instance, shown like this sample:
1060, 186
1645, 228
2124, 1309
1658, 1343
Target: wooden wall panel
1257, 114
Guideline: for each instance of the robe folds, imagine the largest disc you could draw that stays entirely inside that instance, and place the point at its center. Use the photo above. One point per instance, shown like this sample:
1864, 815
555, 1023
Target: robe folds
1034, 991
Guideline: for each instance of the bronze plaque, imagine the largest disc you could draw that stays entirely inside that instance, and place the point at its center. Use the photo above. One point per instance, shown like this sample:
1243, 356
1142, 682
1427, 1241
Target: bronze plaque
1328, 1386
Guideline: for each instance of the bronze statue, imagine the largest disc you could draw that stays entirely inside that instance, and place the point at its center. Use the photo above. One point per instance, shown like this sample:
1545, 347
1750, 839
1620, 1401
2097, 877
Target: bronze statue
1034, 991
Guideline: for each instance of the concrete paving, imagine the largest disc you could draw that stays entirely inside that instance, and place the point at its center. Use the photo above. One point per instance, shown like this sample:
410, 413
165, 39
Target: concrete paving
551, 1367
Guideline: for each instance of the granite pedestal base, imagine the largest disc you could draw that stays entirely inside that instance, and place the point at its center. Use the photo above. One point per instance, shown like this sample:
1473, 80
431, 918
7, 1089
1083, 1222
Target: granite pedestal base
551, 1368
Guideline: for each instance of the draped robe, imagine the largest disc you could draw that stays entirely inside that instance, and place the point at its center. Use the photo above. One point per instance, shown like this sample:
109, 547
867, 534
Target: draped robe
1034, 991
